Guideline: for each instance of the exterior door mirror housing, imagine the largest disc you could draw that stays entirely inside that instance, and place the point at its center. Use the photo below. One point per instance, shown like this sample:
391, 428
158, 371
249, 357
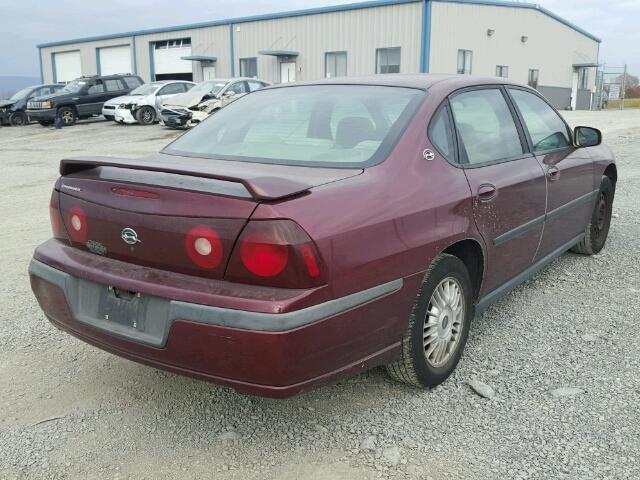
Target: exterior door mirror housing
587, 137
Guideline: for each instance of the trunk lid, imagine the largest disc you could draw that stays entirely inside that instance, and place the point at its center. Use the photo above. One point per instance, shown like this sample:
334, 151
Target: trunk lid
153, 211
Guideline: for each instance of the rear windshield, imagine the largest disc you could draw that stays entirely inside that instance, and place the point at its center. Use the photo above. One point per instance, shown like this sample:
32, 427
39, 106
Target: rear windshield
316, 125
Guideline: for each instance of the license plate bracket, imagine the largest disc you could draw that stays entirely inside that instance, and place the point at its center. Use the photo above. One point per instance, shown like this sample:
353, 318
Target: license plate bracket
122, 307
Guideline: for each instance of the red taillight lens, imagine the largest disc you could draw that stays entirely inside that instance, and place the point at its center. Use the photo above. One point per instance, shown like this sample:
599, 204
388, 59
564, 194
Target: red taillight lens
76, 222
57, 227
204, 247
276, 253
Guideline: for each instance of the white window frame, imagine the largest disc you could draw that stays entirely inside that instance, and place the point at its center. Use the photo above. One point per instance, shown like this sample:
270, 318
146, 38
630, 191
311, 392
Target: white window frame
502, 71
380, 51
334, 58
465, 62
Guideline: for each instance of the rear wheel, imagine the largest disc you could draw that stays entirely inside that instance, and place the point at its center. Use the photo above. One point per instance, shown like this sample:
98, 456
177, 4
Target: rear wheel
597, 231
146, 116
438, 327
18, 119
68, 116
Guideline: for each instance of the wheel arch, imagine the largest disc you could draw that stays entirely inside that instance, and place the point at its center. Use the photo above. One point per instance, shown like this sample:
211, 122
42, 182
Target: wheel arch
67, 105
612, 172
471, 253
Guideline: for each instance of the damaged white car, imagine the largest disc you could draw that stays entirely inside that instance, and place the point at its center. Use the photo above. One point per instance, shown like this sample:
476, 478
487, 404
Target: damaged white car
143, 104
183, 111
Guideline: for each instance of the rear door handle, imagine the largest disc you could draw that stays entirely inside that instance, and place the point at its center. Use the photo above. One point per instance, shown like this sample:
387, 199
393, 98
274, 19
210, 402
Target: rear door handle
553, 173
487, 192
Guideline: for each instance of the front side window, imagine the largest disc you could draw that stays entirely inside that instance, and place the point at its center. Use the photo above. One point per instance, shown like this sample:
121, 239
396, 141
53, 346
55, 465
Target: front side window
335, 64
546, 129
502, 71
533, 78
97, 88
320, 125
388, 60
249, 67
238, 88
253, 86
465, 58
172, 89
485, 126
440, 133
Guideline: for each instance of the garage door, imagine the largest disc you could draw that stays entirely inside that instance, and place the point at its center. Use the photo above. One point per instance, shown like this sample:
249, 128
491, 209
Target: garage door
67, 66
167, 59
115, 60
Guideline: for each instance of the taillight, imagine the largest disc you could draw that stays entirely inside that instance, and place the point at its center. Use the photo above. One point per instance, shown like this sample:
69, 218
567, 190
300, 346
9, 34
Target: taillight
57, 226
204, 247
76, 222
276, 253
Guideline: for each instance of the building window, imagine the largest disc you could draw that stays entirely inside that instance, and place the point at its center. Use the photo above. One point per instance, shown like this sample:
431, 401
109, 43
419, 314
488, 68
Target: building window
335, 64
502, 71
533, 78
388, 60
177, 43
249, 67
464, 61
583, 79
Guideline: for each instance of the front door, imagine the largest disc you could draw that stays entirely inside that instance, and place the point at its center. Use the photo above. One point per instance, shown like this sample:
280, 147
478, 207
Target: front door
208, 73
287, 72
569, 170
507, 183
91, 102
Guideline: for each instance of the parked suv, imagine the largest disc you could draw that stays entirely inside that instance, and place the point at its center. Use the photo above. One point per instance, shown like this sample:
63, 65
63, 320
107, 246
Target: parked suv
143, 104
81, 98
12, 110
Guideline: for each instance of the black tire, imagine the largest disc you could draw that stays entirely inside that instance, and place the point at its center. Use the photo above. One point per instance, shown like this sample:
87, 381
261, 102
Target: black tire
18, 119
146, 116
413, 367
110, 118
595, 235
68, 115
45, 123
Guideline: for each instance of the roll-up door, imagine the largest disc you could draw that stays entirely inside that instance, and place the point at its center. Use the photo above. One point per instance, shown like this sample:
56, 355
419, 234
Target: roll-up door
115, 60
67, 66
167, 59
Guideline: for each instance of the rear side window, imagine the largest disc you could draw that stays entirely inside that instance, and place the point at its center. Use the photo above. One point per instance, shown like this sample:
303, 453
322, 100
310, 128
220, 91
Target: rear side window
440, 133
485, 126
97, 88
113, 85
546, 129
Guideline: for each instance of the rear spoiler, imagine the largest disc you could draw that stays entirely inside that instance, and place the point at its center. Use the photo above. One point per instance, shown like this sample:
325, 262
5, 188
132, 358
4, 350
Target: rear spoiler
262, 181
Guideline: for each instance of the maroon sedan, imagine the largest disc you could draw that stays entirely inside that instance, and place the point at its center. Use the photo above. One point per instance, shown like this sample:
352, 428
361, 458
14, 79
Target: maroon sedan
312, 231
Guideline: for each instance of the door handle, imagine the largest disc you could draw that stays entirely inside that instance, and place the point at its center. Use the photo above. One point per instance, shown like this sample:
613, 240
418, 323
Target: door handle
486, 192
553, 172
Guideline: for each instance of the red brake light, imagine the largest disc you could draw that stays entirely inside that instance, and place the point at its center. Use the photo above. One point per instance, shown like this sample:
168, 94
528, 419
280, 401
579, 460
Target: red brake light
56, 218
277, 253
204, 247
77, 224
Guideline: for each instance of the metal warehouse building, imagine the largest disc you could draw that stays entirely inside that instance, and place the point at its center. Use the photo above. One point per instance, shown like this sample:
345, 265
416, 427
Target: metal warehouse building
521, 41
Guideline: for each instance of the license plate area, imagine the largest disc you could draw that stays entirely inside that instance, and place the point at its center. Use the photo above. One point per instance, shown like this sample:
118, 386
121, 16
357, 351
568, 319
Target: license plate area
123, 307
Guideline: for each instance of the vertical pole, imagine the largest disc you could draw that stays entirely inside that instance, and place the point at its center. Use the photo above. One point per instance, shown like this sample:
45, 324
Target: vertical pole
232, 59
624, 83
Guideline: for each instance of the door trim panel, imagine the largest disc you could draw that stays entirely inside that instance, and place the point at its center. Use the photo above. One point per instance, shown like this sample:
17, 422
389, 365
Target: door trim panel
561, 210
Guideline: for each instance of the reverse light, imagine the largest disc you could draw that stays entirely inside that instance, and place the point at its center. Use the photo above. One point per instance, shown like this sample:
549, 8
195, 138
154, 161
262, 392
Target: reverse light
277, 253
204, 247
77, 224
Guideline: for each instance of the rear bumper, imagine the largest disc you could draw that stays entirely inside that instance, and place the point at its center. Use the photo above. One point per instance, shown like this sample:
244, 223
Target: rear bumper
38, 115
263, 353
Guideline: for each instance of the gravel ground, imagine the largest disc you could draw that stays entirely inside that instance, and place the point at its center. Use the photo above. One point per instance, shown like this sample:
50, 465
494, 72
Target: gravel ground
560, 356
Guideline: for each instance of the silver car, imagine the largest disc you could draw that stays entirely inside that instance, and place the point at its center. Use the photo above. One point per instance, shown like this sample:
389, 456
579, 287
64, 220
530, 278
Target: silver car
186, 110
143, 104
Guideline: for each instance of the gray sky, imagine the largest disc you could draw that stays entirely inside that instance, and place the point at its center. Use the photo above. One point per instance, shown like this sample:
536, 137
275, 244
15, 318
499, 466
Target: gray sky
26, 23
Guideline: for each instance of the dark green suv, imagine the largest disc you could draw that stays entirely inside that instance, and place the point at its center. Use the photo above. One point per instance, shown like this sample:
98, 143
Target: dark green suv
80, 98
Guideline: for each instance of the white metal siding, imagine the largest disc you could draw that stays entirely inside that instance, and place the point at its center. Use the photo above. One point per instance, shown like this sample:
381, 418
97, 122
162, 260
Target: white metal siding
115, 59
358, 32
551, 46
68, 66
169, 60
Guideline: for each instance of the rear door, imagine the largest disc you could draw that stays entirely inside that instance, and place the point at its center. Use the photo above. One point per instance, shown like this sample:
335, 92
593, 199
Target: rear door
114, 87
91, 102
507, 183
569, 170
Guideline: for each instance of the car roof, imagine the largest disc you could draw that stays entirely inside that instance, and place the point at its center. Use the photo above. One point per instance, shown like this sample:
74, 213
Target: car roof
422, 81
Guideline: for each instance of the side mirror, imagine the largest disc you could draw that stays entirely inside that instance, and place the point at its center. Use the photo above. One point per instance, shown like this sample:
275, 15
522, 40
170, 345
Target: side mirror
587, 137
229, 93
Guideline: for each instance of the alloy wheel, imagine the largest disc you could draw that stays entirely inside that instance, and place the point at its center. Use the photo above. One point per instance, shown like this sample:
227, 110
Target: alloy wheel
444, 321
